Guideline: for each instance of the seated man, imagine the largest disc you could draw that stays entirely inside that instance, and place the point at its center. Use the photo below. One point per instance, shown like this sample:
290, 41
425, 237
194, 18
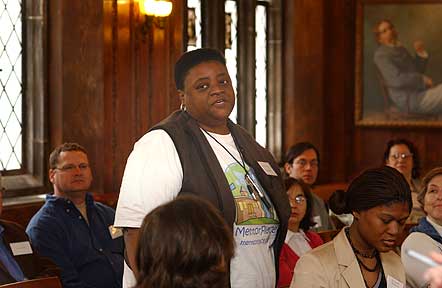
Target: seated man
18, 261
302, 163
73, 230
409, 88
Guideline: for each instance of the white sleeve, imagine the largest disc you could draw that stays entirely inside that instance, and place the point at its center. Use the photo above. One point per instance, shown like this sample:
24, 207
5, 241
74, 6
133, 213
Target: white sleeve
153, 176
414, 269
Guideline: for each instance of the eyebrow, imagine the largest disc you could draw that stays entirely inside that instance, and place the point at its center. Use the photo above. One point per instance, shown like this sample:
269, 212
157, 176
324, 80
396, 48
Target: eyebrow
391, 216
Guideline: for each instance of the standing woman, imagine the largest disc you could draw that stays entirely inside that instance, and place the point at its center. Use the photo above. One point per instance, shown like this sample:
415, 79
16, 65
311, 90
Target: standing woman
426, 237
299, 239
402, 155
362, 255
198, 150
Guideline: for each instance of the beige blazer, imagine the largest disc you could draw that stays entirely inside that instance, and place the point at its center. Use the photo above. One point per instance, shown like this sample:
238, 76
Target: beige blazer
334, 265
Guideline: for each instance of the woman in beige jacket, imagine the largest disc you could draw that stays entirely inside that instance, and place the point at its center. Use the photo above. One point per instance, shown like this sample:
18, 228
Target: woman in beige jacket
361, 255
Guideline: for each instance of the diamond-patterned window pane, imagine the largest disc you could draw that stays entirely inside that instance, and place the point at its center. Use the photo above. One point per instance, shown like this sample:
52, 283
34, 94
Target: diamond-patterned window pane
231, 14
11, 84
261, 74
194, 36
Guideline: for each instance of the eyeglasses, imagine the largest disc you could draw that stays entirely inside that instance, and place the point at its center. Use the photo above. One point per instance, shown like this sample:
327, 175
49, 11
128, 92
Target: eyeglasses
302, 163
299, 199
72, 167
401, 155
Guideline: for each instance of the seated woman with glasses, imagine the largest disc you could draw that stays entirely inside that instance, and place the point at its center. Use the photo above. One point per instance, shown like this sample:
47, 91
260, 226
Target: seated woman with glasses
299, 239
402, 155
302, 163
362, 255
427, 236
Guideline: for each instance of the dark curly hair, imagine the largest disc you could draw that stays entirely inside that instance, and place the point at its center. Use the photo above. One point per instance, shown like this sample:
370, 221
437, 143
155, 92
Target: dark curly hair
415, 172
184, 244
192, 58
307, 220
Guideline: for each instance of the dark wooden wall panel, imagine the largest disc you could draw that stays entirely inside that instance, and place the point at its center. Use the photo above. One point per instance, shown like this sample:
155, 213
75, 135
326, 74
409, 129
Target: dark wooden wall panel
76, 83
303, 72
109, 81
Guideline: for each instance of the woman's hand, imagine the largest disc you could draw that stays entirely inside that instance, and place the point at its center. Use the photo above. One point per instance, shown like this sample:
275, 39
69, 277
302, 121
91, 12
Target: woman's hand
434, 275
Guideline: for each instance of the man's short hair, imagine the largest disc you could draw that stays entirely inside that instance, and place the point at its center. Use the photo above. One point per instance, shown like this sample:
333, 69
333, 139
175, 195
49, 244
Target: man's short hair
55, 154
192, 58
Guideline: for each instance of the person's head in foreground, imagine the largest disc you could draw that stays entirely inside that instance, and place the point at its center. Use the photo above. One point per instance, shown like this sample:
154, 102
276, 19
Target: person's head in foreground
184, 243
302, 162
431, 195
300, 199
205, 88
380, 201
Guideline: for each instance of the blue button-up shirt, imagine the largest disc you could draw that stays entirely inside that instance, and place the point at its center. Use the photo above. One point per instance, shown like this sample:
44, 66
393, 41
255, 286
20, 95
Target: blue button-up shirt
8, 260
85, 252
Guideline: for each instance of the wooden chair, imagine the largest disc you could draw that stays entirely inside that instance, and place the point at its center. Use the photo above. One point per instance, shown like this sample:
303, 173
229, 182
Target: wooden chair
50, 282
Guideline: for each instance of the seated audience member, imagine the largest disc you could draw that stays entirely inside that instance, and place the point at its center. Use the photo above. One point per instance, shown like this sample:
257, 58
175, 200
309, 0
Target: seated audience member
299, 239
18, 260
402, 155
184, 243
75, 231
302, 163
427, 236
362, 255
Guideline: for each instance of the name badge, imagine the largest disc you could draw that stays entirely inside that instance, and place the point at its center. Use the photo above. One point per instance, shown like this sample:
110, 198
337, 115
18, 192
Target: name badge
394, 283
21, 248
267, 168
115, 232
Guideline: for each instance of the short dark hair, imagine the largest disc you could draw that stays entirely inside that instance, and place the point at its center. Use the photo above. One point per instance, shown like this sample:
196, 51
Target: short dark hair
55, 154
297, 150
184, 243
192, 58
372, 188
307, 220
415, 171
427, 178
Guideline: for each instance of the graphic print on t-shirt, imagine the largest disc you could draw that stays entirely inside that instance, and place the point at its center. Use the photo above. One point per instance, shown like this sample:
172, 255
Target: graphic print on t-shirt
248, 210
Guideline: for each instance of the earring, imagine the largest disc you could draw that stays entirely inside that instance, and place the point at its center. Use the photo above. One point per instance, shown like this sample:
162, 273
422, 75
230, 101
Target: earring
182, 106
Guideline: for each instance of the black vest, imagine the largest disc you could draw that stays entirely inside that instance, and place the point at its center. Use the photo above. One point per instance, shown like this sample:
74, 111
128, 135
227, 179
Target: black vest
203, 175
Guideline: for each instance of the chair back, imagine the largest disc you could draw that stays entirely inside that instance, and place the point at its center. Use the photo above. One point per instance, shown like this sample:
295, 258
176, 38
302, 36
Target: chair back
50, 282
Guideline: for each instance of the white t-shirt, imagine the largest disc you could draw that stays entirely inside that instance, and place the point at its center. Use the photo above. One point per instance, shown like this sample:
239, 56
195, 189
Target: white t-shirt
154, 166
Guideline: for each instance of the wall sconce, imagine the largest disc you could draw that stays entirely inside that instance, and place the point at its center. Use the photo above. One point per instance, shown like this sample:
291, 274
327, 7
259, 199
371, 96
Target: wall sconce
155, 12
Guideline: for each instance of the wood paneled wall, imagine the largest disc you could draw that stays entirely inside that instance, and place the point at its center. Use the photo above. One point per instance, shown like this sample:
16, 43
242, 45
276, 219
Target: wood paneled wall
110, 79
109, 82
319, 93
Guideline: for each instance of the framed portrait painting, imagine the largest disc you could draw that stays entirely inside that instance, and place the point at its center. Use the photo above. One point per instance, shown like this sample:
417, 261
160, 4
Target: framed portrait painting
398, 63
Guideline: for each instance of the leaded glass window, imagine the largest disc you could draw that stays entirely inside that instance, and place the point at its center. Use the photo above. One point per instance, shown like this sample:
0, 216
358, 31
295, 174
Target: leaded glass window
194, 38
11, 84
230, 52
261, 74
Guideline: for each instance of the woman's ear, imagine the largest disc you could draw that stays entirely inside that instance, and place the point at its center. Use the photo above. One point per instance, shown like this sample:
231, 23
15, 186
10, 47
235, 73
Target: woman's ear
181, 95
183, 104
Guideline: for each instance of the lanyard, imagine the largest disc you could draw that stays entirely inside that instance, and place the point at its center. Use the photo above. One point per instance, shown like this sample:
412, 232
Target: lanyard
252, 187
